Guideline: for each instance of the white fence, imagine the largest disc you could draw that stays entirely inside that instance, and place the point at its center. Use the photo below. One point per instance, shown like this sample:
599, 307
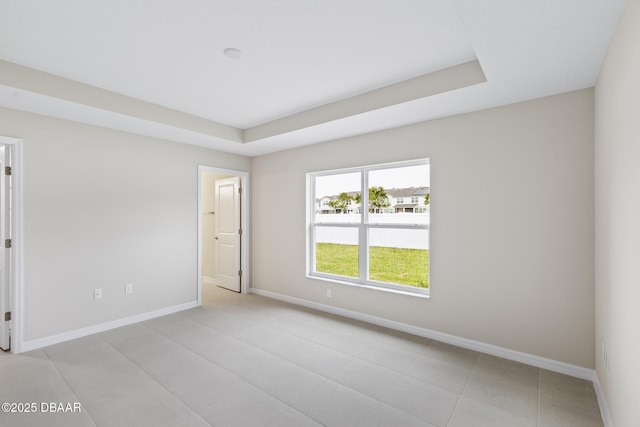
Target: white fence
387, 237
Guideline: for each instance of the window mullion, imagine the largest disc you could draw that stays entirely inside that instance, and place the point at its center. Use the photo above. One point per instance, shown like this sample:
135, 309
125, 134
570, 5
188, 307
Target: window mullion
311, 206
363, 253
363, 240
312, 249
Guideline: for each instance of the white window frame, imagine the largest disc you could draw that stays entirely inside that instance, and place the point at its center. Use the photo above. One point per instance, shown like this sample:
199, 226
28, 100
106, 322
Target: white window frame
363, 228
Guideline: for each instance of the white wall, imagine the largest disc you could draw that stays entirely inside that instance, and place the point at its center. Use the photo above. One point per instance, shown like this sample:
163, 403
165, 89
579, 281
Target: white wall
617, 213
511, 225
104, 208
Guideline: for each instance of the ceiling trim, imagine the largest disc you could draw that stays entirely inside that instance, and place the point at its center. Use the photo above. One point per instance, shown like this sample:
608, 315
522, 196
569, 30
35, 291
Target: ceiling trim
39, 88
39, 82
446, 80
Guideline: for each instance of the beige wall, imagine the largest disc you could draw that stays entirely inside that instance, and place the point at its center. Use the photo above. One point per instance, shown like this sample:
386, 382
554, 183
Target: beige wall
512, 233
104, 208
617, 153
512, 225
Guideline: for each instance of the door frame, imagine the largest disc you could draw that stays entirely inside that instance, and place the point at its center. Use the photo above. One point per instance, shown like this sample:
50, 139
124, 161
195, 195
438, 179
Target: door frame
17, 244
245, 220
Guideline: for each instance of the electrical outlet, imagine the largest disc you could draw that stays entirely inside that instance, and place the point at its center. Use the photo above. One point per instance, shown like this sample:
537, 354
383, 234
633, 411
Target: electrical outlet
97, 293
329, 293
128, 288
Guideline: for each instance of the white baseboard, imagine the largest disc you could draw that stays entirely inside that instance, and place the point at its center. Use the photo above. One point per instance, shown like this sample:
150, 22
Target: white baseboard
517, 356
602, 401
89, 330
206, 280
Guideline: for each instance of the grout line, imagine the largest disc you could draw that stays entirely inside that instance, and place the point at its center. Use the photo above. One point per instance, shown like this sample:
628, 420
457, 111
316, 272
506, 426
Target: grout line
236, 315
68, 385
401, 372
539, 394
404, 371
153, 378
464, 389
249, 383
469, 344
304, 338
327, 379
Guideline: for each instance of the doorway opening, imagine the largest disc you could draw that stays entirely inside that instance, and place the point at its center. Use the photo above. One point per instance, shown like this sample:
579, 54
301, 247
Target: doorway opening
222, 230
11, 239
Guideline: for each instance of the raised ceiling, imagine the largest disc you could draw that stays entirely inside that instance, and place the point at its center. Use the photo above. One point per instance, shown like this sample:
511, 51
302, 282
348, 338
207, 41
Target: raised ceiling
309, 70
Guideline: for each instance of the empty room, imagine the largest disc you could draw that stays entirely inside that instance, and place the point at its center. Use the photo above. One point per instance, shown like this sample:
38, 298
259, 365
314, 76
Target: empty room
319, 213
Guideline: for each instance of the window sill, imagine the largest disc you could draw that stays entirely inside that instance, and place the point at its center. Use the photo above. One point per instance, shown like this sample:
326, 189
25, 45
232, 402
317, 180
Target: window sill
373, 287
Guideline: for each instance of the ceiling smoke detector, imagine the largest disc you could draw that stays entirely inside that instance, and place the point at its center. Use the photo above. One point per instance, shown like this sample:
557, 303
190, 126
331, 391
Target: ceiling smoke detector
232, 52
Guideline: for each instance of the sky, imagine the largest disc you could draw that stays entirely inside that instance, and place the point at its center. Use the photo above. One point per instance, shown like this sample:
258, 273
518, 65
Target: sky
407, 176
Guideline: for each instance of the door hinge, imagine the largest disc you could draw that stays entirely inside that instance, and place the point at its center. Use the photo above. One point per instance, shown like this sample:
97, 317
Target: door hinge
7, 243
7, 316
240, 231
240, 190
7, 170
240, 273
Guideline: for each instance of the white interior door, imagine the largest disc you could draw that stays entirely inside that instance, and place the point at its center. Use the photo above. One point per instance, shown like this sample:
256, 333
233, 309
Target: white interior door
5, 260
227, 239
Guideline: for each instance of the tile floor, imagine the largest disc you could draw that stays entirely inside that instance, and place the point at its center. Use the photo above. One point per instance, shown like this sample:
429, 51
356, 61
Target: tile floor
245, 360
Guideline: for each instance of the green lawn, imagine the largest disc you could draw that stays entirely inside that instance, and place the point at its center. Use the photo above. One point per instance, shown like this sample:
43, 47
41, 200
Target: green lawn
392, 265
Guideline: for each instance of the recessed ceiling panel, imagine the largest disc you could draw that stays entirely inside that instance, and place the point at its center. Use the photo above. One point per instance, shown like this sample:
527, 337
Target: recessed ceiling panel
295, 72
294, 54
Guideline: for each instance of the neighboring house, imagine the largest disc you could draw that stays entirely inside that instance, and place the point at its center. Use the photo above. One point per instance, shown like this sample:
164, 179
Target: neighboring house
408, 200
322, 205
401, 200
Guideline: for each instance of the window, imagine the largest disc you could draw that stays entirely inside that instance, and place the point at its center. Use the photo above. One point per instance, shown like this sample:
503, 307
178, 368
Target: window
371, 243
414, 199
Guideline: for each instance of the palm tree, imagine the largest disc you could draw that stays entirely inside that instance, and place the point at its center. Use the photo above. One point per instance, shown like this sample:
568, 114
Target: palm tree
341, 202
378, 198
